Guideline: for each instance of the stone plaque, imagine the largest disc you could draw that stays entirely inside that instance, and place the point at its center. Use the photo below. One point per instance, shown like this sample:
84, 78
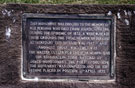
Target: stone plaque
65, 46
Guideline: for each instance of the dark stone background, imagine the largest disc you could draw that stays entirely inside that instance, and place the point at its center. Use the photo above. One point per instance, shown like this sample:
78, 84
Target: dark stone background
10, 48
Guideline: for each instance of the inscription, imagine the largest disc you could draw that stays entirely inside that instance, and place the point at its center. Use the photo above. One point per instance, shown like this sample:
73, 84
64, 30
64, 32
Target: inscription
68, 47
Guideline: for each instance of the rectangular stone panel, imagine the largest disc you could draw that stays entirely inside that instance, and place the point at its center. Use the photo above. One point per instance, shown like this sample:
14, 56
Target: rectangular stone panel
65, 46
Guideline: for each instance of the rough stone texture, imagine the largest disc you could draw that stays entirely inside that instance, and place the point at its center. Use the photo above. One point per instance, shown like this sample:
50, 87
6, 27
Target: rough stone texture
10, 47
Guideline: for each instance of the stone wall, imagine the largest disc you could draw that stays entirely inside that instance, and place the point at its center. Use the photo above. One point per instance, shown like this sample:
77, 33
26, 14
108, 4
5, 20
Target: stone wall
10, 44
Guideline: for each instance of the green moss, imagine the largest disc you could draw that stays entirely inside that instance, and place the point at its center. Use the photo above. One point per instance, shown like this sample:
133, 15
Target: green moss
70, 1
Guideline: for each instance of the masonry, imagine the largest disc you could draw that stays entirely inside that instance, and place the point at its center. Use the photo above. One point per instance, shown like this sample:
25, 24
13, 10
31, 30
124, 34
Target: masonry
11, 45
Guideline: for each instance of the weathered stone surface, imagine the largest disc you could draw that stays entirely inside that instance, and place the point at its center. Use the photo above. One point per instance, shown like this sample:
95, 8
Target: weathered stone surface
10, 44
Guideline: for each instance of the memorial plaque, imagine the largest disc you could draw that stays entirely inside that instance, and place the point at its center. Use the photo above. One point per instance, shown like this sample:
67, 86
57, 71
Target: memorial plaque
65, 46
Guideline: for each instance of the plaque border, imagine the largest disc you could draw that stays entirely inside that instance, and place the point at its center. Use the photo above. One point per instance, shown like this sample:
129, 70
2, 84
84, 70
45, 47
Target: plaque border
110, 78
